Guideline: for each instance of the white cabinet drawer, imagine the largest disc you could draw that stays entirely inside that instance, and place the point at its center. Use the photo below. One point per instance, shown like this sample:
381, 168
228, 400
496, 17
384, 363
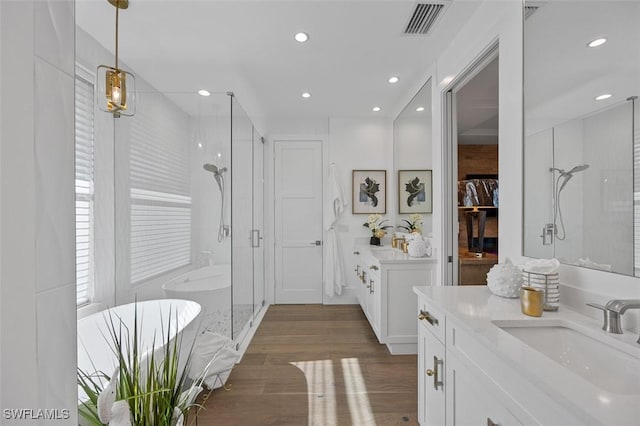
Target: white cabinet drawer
432, 318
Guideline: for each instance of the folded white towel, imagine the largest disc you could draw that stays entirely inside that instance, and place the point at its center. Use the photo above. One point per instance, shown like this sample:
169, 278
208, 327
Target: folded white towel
542, 266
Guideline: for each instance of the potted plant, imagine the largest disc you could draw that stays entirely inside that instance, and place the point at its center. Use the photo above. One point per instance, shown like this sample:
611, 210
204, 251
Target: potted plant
414, 224
148, 387
377, 228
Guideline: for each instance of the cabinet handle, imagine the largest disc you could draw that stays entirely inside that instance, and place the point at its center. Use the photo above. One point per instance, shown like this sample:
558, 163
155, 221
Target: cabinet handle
370, 286
491, 422
425, 315
437, 363
356, 253
374, 267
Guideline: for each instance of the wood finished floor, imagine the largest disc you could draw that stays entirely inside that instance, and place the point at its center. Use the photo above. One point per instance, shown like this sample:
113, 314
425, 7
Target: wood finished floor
316, 365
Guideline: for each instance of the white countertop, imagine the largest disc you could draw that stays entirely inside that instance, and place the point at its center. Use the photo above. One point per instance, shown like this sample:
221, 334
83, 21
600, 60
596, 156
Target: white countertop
474, 308
388, 254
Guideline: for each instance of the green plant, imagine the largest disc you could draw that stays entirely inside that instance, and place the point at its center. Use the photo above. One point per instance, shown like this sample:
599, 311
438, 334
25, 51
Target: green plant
414, 224
376, 226
155, 391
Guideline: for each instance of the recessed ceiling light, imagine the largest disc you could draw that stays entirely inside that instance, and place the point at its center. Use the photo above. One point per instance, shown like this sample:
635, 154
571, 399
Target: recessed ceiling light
597, 42
377, 109
420, 109
306, 95
301, 37
603, 97
203, 92
448, 79
393, 79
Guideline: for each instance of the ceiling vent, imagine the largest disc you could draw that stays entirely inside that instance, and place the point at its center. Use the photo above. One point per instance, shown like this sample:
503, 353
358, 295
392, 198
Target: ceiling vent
424, 17
529, 10
530, 7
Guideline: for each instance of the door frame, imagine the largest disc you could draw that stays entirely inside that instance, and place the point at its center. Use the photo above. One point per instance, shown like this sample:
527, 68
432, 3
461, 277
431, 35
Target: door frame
449, 219
270, 205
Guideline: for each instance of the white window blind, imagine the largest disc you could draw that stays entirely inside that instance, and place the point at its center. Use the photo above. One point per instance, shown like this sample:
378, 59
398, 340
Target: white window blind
160, 236
84, 135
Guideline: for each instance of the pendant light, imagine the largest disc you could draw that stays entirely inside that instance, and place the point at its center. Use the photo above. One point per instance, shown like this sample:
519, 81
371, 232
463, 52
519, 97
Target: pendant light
116, 87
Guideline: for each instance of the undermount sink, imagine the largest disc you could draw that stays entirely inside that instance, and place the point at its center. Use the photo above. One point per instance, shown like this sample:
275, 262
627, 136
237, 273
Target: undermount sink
607, 367
387, 253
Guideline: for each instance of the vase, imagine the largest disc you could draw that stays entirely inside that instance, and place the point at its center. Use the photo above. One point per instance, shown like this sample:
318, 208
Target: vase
374, 241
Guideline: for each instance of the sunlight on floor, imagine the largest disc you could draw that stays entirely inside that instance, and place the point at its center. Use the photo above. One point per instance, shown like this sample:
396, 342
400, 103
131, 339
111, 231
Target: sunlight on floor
359, 407
322, 392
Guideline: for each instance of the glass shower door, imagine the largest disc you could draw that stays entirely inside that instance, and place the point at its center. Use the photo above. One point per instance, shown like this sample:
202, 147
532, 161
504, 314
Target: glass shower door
258, 222
241, 220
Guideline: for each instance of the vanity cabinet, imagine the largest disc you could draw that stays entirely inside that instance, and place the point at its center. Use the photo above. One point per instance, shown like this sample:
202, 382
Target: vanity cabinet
431, 370
386, 278
471, 399
452, 390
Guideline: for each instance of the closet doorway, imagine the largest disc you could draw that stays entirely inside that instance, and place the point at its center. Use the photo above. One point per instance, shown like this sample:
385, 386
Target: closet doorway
472, 190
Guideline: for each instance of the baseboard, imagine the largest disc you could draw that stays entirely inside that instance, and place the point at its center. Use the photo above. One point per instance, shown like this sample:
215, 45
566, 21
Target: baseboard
349, 296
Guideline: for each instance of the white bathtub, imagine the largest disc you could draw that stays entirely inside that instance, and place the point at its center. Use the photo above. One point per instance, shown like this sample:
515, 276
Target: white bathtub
94, 338
211, 288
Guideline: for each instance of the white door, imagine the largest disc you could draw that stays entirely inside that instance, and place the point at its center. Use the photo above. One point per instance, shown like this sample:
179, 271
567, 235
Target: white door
298, 221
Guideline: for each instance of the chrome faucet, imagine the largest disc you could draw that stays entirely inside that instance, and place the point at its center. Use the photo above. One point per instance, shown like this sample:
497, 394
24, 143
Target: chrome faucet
613, 310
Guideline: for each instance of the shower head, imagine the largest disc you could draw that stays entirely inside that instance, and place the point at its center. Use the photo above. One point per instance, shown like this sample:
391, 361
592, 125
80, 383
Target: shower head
217, 173
214, 169
576, 169
568, 175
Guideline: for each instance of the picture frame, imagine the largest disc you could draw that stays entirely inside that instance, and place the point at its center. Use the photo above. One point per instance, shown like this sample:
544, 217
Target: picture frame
415, 191
369, 191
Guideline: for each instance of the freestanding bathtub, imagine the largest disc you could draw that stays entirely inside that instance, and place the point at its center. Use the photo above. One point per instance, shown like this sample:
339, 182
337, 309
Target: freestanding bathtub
211, 288
95, 343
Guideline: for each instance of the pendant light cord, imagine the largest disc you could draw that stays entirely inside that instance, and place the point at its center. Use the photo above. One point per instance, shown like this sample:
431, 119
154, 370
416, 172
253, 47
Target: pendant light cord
117, 15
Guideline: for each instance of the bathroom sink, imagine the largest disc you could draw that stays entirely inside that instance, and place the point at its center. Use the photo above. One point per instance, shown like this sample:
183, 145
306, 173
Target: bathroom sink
386, 254
610, 368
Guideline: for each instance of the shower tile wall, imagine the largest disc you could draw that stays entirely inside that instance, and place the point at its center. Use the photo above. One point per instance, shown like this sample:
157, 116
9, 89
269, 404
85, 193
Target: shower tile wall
37, 274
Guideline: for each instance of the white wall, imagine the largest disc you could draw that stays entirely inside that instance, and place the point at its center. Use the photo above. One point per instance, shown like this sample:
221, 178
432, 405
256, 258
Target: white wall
538, 181
351, 143
607, 207
37, 281
359, 143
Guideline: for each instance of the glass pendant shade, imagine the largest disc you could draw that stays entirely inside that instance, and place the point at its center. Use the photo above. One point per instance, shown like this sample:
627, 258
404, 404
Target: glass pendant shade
116, 91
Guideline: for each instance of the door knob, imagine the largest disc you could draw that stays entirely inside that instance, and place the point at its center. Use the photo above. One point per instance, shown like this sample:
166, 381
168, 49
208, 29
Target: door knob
316, 243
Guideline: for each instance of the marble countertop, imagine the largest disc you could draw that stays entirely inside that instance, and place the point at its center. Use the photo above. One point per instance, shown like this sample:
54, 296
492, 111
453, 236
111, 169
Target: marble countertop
475, 309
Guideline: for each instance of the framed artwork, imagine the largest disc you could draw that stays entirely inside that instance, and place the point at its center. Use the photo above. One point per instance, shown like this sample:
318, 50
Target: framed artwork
414, 191
369, 192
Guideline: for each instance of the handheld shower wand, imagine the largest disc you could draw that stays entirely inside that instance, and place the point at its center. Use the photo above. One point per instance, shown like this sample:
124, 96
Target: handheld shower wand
557, 209
217, 174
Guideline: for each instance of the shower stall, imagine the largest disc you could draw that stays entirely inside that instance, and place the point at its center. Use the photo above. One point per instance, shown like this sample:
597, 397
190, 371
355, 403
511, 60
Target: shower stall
188, 207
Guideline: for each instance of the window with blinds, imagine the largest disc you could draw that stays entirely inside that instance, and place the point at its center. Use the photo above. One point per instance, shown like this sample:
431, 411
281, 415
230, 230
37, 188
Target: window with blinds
160, 214
84, 135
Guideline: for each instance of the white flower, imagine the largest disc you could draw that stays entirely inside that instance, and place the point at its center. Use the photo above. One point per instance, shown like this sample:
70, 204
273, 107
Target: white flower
415, 218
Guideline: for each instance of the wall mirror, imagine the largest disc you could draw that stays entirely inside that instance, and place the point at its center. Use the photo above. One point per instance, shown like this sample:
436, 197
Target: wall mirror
412, 152
581, 136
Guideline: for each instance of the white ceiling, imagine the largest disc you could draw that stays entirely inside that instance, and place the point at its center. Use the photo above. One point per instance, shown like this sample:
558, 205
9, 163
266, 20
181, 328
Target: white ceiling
247, 47
477, 101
